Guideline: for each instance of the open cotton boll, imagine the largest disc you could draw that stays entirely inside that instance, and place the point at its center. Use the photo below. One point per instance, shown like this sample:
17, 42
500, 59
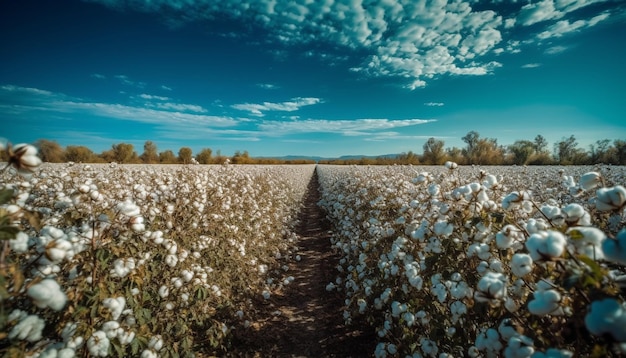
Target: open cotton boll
515, 199
587, 241
519, 347
128, 208
521, 264
545, 302
98, 344
491, 288
509, 235
553, 353
613, 198
575, 214
546, 245
115, 305
29, 328
615, 249
590, 180
47, 293
20, 243
607, 316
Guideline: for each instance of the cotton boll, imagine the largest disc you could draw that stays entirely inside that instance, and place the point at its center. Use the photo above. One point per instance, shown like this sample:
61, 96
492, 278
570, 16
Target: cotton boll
29, 328
491, 288
509, 235
546, 245
590, 180
615, 249
266, 294
607, 316
47, 293
20, 243
613, 198
521, 264
115, 305
536, 225
545, 302
587, 241
553, 353
397, 308
98, 344
519, 347
164, 291
575, 214
156, 343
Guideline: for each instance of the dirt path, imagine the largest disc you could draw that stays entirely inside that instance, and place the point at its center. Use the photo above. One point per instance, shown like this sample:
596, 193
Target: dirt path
305, 320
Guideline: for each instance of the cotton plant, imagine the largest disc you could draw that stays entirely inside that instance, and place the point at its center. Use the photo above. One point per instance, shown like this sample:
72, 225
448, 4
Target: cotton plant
96, 248
534, 247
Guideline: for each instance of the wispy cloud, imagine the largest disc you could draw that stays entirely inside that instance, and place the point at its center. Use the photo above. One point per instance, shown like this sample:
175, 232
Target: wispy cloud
32, 99
128, 82
531, 65
98, 76
356, 127
555, 50
268, 86
434, 104
258, 109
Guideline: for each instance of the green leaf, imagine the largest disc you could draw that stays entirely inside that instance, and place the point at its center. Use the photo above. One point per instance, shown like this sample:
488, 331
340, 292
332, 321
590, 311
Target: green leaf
576, 235
8, 232
6, 194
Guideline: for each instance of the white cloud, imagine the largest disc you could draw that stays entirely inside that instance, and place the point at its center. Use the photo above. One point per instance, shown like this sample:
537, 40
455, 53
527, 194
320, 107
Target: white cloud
564, 26
414, 41
164, 87
531, 14
152, 97
556, 50
531, 65
267, 86
128, 82
433, 104
355, 127
98, 76
32, 99
294, 104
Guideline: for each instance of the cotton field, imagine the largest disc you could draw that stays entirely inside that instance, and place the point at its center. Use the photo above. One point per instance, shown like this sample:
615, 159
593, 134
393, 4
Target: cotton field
447, 261
110, 260
458, 261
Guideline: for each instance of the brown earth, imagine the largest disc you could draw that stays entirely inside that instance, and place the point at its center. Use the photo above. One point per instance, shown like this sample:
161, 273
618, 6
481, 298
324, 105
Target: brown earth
305, 320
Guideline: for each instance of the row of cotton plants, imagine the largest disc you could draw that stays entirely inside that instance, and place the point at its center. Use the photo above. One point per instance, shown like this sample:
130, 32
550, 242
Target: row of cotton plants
147, 261
457, 261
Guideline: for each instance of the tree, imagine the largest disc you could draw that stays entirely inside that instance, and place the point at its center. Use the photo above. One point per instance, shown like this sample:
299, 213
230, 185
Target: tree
620, 151
241, 158
567, 153
50, 151
204, 157
434, 152
167, 157
150, 154
482, 150
456, 155
124, 153
471, 138
521, 151
541, 144
184, 155
79, 154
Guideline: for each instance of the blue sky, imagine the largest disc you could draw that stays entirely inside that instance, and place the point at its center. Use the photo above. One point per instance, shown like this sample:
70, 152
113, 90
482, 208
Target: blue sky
325, 78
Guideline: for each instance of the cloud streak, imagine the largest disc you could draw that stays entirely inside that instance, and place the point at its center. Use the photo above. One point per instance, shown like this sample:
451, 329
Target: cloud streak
259, 109
352, 127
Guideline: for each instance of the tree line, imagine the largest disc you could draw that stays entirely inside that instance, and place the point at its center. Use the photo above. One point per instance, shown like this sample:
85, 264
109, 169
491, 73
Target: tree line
477, 150
487, 151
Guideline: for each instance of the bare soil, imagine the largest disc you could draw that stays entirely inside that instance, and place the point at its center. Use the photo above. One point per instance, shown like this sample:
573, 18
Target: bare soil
305, 320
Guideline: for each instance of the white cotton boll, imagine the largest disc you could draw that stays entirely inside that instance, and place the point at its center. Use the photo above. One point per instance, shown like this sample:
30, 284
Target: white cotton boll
98, 344
148, 353
443, 228
84, 189
451, 165
434, 189
156, 343
607, 316
507, 329
398, 308
164, 291
409, 318
128, 208
613, 198
514, 199
115, 305
266, 294
490, 181
457, 308
506, 237
47, 293
20, 243
546, 245
66, 353
536, 225
575, 214
615, 249
521, 264
590, 180
29, 329
587, 241
545, 302
429, 347
496, 265
362, 305
519, 347
171, 260
125, 337
491, 287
